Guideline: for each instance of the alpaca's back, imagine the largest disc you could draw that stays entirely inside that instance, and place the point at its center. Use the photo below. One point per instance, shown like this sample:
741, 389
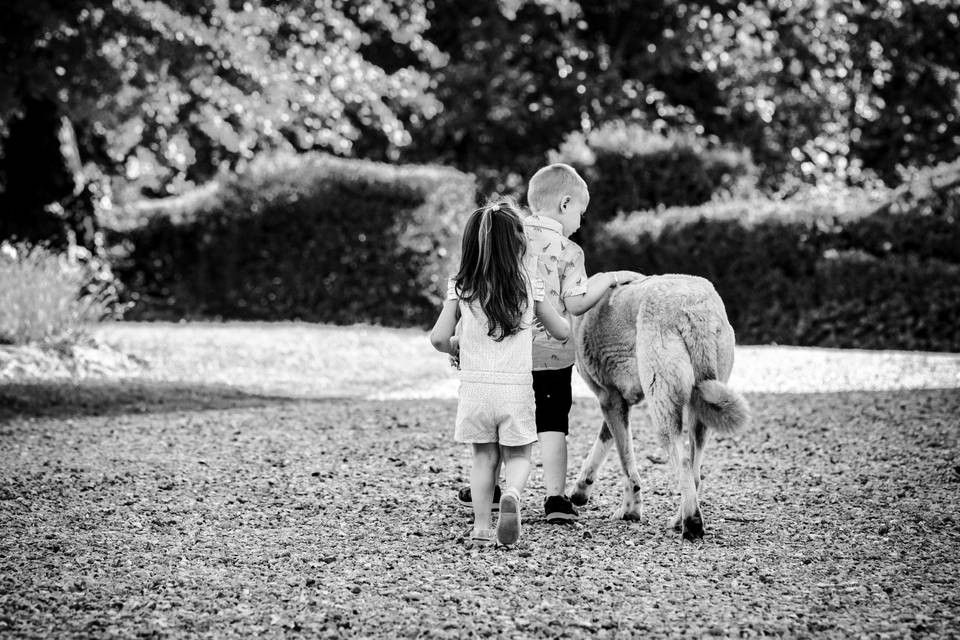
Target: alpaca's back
678, 317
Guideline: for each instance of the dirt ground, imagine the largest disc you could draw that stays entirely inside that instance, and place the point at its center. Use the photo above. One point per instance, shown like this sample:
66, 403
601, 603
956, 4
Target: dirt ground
158, 509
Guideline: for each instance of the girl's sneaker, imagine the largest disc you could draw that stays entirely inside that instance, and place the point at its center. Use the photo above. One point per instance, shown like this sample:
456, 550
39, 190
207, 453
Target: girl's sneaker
508, 524
465, 498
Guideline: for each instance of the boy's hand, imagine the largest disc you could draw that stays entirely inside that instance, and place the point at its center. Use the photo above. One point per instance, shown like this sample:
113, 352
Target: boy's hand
626, 277
455, 352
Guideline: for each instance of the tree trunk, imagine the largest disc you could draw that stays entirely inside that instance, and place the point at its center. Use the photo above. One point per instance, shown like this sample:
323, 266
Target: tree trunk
47, 199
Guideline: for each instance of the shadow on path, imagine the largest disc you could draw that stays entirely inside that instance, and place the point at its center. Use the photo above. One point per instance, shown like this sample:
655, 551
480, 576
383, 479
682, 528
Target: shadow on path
63, 399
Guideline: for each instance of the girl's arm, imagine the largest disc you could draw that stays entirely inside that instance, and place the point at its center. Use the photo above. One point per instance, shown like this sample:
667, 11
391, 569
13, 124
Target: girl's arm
445, 328
555, 324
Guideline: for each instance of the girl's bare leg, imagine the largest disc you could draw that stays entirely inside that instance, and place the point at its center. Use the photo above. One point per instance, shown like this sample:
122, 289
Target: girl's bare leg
516, 467
516, 470
486, 460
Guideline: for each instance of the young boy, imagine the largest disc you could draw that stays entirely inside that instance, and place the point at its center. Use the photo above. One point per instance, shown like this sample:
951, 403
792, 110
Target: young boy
557, 197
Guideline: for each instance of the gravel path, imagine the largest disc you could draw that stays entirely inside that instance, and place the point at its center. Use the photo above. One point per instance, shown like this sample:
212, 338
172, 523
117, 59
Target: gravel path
152, 508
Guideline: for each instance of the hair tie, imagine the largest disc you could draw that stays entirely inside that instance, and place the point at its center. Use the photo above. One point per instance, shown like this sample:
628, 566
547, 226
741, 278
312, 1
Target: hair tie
495, 207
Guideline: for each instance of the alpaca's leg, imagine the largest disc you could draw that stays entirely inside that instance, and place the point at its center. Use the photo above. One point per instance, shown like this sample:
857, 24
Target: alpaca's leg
592, 464
616, 413
698, 439
668, 417
667, 371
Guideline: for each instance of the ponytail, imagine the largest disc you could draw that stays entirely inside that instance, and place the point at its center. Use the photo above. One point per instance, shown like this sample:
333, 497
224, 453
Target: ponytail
483, 239
486, 246
491, 272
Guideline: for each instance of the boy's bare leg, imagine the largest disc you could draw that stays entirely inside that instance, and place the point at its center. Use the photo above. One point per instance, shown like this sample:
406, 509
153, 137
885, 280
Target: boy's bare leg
553, 453
483, 474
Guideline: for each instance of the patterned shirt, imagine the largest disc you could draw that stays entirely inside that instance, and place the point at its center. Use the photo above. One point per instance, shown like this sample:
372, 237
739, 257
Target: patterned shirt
561, 267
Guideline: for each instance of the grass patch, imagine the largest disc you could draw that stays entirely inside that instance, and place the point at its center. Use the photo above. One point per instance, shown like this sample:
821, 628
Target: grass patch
46, 297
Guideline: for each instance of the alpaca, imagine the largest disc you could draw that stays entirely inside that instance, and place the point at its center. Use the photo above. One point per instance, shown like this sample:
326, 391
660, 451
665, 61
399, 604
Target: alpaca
666, 339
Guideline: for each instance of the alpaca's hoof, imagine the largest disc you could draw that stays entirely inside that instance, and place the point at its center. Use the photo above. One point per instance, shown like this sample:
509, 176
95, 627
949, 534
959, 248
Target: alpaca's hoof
630, 515
693, 527
676, 524
579, 498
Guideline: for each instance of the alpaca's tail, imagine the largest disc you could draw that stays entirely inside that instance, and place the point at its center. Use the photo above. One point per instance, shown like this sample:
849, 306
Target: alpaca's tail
719, 407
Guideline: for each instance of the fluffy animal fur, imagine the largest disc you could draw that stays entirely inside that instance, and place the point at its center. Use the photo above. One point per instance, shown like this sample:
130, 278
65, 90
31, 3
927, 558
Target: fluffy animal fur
666, 339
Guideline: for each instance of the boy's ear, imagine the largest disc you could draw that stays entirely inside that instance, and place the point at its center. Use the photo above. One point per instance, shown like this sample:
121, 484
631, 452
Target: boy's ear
564, 201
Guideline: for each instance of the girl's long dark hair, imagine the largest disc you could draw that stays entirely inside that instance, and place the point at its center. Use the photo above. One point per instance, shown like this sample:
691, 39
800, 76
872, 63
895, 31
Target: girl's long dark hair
491, 270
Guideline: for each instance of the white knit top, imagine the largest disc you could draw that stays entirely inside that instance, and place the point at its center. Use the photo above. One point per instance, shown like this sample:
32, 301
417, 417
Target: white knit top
485, 360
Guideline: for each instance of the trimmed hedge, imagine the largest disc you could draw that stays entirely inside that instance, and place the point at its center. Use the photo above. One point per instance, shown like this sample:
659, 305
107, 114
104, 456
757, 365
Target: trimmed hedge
313, 237
817, 270
332, 240
629, 168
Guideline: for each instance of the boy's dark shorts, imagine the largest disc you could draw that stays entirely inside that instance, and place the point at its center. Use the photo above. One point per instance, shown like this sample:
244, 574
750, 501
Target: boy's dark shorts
551, 388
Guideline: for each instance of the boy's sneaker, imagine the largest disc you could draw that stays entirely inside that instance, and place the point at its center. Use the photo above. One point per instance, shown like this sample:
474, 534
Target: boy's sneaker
465, 498
559, 509
508, 524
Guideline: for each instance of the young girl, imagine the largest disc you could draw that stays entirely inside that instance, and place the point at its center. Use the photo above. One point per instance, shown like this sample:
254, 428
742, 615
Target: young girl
495, 299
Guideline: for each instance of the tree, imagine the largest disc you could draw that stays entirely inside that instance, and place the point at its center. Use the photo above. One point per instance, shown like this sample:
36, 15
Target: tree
817, 88
906, 52
165, 93
507, 95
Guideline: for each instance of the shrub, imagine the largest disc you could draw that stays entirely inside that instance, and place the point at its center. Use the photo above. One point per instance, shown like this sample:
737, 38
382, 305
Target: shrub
819, 269
47, 297
629, 168
311, 237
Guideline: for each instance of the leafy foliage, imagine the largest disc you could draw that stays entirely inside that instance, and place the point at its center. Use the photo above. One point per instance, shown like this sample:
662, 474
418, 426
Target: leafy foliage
163, 93
313, 237
821, 269
814, 88
166, 92
47, 297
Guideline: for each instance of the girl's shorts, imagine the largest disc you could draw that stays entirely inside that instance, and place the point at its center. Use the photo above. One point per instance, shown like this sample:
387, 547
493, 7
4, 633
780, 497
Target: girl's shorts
502, 413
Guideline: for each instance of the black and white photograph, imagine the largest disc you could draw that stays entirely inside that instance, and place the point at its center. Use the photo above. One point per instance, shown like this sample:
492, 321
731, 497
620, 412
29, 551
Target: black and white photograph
479, 319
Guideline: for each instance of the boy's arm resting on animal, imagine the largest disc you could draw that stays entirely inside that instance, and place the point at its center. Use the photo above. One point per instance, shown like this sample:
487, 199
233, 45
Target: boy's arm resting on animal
626, 277
445, 327
555, 324
597, 285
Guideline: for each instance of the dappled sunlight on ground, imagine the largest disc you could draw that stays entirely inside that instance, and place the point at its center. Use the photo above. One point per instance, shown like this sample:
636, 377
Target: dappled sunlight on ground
298, 360
773, 369
302, 360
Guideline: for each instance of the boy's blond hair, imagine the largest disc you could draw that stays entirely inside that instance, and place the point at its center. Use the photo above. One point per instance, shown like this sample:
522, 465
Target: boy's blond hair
551, 183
